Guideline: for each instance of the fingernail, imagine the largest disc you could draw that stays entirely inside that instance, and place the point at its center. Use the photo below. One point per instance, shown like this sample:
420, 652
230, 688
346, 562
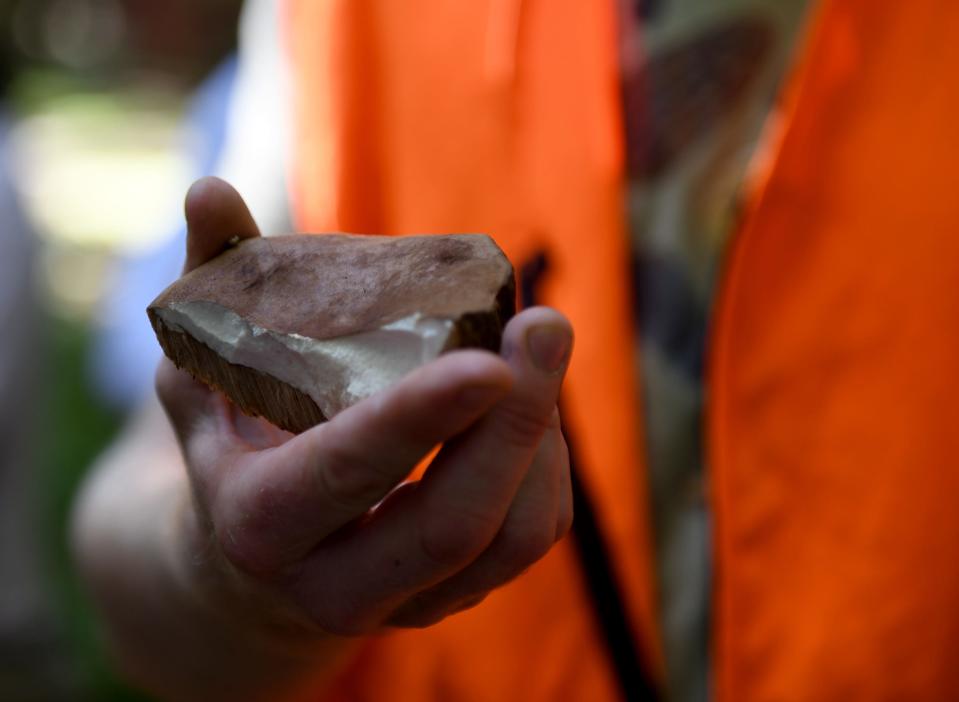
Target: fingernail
548, 347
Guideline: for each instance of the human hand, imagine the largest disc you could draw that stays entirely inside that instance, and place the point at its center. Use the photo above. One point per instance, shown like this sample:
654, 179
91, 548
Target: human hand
318, 533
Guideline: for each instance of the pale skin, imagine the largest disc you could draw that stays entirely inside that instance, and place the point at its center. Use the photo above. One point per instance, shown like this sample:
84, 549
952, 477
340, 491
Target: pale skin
233, 561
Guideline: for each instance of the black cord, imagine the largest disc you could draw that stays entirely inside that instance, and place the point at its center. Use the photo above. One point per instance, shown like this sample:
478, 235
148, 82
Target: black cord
632, 672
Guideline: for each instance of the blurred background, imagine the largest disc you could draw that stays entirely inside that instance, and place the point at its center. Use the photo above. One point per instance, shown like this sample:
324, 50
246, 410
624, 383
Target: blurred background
101, 131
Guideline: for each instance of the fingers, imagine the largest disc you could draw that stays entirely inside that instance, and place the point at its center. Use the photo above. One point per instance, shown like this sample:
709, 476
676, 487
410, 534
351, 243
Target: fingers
468, 490
453, 514
529, 531
279, 503
215, 215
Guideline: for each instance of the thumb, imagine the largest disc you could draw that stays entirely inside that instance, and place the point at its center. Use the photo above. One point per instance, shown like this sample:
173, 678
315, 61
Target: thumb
215, 215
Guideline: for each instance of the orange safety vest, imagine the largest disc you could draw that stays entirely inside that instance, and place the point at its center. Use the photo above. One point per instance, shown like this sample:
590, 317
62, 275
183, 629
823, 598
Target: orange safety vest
833, 428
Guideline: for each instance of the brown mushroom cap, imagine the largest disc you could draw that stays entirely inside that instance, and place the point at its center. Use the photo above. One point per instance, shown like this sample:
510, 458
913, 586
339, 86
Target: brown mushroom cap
329, 286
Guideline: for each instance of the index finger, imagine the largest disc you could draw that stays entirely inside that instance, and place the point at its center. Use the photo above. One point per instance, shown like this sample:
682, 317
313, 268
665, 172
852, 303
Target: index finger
279, 503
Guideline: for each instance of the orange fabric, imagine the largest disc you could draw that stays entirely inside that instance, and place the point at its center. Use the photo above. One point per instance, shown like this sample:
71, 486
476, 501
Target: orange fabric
503, 117
533, 640
834, 424
832, 420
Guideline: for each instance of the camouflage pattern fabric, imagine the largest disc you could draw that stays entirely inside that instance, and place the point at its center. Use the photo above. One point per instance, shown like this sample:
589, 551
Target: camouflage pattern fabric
700, 78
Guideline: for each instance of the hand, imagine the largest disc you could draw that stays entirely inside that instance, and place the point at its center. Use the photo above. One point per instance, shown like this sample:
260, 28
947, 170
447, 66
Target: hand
321, 531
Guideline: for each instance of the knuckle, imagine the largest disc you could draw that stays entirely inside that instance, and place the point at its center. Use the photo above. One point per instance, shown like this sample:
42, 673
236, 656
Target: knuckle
345, 628
262, 515
238, 542
418, 612
334, 608
346, 619
431, 607
470, 602
345, 479
521, 548
555, 421
564, 523
239, 552
451, 540
563, 452
523, 424
416, 618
